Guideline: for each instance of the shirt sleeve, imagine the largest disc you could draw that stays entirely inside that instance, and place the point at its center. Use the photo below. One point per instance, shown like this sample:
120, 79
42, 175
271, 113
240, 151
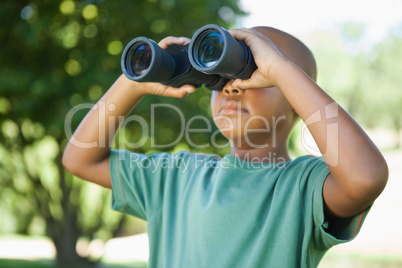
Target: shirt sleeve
137, 182
326, 234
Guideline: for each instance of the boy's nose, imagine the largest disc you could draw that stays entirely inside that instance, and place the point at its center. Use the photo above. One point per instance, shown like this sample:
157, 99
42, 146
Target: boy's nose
229, 90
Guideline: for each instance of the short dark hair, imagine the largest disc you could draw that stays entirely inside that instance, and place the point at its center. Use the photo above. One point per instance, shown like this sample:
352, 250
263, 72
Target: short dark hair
292, 48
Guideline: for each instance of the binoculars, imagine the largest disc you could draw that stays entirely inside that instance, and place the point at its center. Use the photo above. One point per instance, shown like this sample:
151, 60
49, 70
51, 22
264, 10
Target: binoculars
212, 58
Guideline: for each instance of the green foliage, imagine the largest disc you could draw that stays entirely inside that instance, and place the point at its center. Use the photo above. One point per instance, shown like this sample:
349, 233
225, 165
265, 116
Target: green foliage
364, 79
47, 264
59, 54
386, 100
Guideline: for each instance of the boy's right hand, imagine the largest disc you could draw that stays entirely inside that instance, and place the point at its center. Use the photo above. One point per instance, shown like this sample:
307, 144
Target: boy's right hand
163, 90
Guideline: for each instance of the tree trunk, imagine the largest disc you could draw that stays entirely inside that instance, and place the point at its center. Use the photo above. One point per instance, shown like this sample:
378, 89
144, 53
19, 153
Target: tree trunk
68, 233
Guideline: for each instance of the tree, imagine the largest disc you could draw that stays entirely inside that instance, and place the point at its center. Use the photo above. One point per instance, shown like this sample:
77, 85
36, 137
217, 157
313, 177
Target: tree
364, 78
386, 100
60, 54
342, 65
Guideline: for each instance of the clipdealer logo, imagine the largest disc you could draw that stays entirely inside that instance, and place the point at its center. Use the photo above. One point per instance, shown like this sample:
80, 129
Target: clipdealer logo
149, 128
331, 153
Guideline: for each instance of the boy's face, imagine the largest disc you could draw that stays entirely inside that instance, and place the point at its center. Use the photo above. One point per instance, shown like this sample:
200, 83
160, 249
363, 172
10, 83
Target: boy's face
261, 117
252, 118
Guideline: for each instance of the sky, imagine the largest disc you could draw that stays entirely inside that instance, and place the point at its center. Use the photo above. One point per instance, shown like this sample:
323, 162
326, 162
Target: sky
300, 17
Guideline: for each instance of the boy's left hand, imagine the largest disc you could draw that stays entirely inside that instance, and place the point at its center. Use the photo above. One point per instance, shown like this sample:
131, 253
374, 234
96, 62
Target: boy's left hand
266, 57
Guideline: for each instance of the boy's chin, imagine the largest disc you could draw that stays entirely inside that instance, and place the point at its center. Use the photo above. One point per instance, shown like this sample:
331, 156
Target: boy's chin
240, 141
231, 134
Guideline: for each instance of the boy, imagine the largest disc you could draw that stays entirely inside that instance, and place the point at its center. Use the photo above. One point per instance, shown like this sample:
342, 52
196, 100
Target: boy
248, 209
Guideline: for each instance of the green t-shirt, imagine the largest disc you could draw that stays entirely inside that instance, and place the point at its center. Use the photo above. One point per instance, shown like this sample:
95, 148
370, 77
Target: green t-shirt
203, 211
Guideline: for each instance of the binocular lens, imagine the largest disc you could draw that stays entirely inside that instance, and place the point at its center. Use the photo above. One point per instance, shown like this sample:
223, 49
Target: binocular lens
141, 59
210, 49
213, 50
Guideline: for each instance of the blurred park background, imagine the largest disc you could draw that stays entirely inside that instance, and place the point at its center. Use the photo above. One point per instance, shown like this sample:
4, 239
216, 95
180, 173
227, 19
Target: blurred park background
56, 55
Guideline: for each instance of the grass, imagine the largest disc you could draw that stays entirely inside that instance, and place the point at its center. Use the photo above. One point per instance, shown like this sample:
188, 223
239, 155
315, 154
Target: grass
124, 265
10, 263
332, 260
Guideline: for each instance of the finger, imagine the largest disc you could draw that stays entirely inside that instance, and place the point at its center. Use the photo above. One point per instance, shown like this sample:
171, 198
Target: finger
243, 84
242, 34
185, 40
247, 35
179, 92
170, 40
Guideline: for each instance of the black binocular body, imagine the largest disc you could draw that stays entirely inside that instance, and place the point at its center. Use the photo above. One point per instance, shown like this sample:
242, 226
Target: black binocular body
212, 58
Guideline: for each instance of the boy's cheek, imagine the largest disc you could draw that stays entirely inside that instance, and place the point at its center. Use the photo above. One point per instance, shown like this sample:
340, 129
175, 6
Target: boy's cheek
214, 102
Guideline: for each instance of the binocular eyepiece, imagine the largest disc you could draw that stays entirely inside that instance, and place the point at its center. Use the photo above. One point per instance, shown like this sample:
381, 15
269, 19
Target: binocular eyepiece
212, 58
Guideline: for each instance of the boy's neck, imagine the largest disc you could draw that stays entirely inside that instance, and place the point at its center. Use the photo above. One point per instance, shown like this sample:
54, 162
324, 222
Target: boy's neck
273, 155
267, 149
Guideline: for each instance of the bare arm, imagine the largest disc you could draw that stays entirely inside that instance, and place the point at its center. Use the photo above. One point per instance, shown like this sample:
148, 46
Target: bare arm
87, 153
358, 170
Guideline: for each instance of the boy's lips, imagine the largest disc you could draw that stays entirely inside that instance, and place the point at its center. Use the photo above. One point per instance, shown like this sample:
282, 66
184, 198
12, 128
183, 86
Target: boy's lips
231, 107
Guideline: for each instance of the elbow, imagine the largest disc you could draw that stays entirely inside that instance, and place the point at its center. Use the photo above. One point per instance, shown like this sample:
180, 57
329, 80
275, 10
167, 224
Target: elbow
371, 183
380, 178
69, 162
